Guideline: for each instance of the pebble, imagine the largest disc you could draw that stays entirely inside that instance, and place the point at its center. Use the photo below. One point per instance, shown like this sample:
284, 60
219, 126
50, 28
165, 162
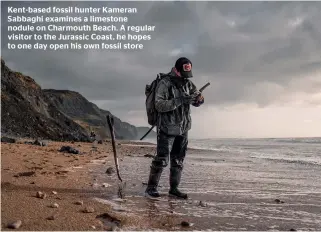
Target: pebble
202, 204
279, 201
15, 225
79, 202
53, 217
105, 185
25, 174
54, 205
93, 227
185, 224
54, 192
41, 195
69, 149
89, 210
110, 170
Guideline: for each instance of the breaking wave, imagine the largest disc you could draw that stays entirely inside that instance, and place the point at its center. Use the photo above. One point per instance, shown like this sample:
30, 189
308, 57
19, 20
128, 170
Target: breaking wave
313, 140
296, 160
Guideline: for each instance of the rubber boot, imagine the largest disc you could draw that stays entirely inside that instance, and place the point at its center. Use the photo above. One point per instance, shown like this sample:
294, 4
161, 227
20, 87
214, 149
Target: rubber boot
174, 180
154, 176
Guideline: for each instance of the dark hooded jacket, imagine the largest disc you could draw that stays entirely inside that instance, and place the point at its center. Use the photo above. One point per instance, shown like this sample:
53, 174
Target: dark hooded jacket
175, 117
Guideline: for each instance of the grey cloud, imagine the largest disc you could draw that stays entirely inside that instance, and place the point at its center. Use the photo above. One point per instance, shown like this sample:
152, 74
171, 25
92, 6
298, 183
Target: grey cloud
238, 46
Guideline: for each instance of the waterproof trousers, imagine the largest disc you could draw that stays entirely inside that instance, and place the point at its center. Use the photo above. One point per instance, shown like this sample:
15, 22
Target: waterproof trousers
170, 149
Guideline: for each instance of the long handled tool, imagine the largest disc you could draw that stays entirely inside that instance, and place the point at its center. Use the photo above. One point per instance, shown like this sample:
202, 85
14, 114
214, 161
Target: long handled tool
204, 87
201, 90
150, 129
110, 122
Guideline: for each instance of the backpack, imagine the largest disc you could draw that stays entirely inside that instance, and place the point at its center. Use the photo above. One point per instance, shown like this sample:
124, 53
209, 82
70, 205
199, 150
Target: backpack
150, 90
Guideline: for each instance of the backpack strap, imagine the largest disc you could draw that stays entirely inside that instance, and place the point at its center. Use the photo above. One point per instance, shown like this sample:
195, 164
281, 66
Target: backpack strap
159, 77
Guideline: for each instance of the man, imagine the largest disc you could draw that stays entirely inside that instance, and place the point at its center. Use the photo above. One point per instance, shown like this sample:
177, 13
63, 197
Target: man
174, 95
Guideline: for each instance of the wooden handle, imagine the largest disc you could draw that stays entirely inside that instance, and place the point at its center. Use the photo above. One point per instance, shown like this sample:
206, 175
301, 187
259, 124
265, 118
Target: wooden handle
110, 121
201, 89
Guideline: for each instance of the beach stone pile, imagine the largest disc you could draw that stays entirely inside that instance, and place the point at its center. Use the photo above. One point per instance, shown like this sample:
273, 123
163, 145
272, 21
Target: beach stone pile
69, 149
37, 143
7, 140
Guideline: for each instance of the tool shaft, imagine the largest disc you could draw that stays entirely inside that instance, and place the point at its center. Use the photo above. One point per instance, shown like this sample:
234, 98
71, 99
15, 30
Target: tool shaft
110, 122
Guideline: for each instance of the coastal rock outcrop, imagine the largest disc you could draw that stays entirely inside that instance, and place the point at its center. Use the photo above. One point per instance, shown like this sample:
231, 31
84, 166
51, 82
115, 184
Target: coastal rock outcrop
91, 117
61, 115
27, 113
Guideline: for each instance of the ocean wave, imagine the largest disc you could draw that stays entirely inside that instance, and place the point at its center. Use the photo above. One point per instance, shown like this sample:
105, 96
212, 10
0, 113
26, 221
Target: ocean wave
215, 148
204, 146
298, 160
313, 140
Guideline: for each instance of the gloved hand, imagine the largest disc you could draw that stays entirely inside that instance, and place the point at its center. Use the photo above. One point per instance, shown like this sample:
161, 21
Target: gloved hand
199, 100
196, 94
187, 99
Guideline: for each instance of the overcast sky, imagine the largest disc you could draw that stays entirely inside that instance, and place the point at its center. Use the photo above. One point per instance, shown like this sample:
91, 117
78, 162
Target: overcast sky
263, 60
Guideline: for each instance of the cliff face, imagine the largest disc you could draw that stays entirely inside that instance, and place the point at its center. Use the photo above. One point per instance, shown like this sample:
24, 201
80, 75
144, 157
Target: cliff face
91, 116
29, 111
26, 111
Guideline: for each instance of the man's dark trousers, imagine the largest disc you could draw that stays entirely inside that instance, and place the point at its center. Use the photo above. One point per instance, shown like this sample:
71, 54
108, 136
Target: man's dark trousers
169, 149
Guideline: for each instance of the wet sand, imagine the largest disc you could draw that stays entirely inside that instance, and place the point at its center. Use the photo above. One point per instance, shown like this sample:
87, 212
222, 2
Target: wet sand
231, 192
69, 175
237, 193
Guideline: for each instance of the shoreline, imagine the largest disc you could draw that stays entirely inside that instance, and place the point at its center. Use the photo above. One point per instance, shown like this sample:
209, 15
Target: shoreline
65, 179
227, 192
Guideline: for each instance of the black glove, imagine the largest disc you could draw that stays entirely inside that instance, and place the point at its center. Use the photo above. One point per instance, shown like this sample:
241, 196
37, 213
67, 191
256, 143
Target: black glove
195, 96
187, 99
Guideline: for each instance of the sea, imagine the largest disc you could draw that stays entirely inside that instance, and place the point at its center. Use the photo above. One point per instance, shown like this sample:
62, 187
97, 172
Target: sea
301, 150
234, 184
